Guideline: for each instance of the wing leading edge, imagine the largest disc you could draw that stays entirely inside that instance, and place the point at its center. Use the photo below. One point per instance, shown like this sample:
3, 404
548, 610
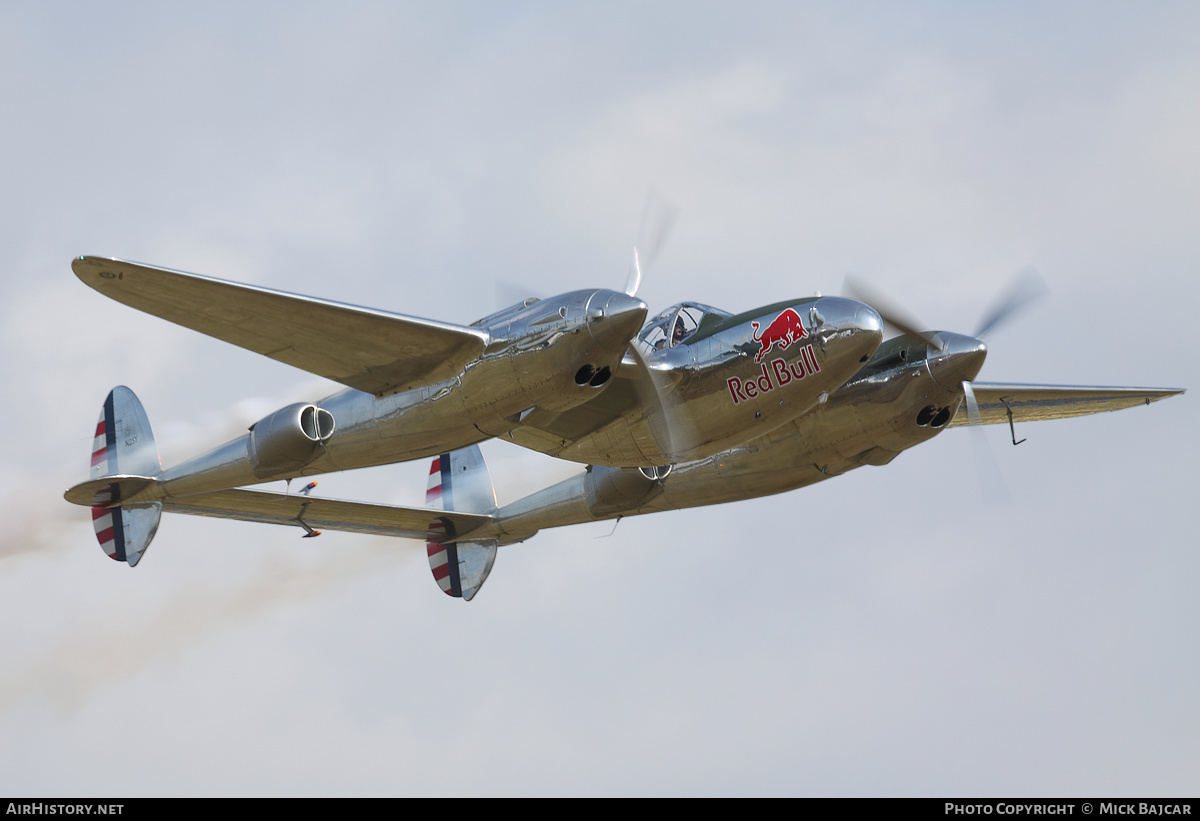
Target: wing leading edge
373, 351
1030, 403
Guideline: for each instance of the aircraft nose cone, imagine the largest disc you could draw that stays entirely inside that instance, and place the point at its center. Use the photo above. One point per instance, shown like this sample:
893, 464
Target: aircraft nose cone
960, 359
612, 322
859, 328
869, 322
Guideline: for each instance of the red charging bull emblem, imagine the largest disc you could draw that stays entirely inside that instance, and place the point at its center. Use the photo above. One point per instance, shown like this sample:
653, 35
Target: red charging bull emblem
784, 329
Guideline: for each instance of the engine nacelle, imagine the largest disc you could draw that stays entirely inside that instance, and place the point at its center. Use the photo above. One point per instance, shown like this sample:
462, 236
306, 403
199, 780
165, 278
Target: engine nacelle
564, 350
615, 490
288, 439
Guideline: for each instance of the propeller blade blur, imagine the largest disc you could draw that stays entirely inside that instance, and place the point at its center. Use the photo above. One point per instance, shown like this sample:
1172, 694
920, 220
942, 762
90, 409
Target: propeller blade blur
973, 416
1025, 289
668, 424
891, 313
658, 219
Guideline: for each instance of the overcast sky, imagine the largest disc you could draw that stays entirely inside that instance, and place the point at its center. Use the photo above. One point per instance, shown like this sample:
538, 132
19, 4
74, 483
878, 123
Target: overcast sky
894, 631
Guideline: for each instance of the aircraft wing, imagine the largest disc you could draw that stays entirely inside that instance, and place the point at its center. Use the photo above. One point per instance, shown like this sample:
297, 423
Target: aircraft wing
323, 514
369, 350
1033, 402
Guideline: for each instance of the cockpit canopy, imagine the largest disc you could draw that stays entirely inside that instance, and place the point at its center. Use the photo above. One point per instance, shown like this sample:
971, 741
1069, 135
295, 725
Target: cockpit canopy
676, 324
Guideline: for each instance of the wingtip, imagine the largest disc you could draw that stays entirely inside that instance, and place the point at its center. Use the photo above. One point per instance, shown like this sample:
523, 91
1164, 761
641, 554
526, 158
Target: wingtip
1159, 394
86, 265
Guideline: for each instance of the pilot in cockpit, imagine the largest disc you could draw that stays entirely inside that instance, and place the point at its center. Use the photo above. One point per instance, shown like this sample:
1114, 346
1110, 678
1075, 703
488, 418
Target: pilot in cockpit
676, 324
679, 332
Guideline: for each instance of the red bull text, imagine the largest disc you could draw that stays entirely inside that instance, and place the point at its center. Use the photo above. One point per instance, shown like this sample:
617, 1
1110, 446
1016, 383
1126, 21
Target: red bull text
784, 329
776, 376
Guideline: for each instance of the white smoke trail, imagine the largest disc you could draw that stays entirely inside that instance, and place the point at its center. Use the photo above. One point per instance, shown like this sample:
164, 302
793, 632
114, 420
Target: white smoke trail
76, 665
80, 657
42, 520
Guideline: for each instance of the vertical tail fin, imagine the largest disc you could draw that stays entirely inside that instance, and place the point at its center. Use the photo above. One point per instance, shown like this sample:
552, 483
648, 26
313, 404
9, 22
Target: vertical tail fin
123, 446
459, 481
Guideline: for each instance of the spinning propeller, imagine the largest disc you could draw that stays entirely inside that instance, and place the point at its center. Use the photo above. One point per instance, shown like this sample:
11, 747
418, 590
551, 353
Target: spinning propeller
891, 313
1026, 288
672, 430
658, 219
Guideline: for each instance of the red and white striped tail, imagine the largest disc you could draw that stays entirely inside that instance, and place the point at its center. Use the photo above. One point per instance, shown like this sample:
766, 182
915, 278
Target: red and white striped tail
100, 446
459, 481
107, 522
441, 554
123, 446
433, 488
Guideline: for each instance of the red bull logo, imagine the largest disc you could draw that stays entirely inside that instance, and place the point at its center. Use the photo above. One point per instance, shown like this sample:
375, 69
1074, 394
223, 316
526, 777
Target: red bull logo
779, 374
784, 329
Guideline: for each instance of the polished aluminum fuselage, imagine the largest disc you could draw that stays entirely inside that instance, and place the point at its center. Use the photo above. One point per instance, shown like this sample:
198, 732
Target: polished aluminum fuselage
730, 386
868, 421
534, 351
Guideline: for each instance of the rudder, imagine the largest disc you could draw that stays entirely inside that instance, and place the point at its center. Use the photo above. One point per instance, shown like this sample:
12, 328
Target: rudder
123, 445
459, 481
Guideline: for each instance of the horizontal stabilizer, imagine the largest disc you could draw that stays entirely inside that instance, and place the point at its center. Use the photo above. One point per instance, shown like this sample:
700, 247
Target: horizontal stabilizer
369, 350
1030, 403
128, 486
321, 514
